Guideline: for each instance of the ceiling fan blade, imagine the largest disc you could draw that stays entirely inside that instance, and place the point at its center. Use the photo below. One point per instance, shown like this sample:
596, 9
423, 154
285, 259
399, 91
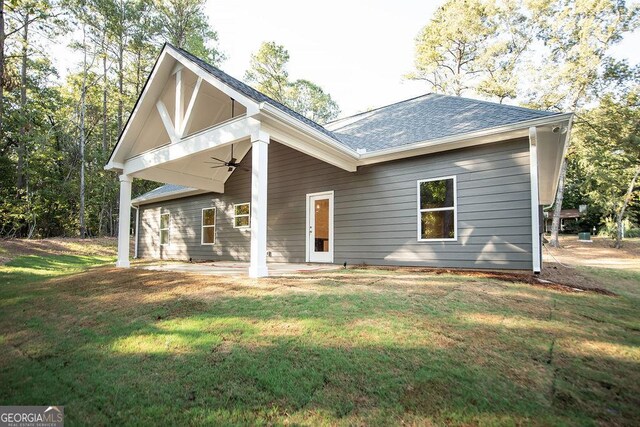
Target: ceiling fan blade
213, 163
246, 169
219, 166
220, 160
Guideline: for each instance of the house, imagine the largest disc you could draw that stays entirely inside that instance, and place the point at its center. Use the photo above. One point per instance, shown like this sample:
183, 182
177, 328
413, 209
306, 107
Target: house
435, 181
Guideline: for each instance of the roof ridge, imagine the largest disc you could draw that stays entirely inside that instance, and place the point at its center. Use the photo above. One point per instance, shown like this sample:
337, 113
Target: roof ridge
498, 104
381, 107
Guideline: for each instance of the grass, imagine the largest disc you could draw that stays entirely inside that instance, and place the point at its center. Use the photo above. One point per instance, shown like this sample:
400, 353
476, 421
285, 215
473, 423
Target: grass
355, 347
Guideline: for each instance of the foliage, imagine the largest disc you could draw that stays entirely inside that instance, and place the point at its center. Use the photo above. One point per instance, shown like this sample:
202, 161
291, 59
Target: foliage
606, 151
184, 24
548, 54
53, 129
268, 73
311, 101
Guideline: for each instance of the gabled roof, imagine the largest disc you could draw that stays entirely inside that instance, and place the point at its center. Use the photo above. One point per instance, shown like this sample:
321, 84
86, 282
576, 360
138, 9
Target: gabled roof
421, 125
250, 92
427, 117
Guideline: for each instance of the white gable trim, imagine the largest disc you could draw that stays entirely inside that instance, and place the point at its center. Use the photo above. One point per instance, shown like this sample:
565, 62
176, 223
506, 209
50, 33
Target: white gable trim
251, 105
168, 51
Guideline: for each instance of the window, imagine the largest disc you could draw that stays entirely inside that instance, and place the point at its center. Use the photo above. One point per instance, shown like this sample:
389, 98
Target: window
242, 215
165, 220
437, 209
208, 226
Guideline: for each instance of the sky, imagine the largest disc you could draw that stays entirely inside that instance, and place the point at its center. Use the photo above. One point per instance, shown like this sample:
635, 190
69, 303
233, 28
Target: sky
356, 50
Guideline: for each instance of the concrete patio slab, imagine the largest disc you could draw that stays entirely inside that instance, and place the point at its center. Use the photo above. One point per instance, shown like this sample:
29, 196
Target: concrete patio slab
228, 268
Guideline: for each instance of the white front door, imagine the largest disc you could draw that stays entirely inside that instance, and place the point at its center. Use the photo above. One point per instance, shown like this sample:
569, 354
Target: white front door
320, 227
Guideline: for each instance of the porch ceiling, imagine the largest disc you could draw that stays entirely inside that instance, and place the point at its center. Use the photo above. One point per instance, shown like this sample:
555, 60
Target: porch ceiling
193, 171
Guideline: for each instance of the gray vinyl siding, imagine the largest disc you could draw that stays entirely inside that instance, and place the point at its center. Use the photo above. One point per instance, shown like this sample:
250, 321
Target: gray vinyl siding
375, 211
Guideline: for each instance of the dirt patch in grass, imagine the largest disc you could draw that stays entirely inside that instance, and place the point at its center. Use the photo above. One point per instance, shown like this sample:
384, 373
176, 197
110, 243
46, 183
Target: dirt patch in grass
598, 253
553, 276
13, 248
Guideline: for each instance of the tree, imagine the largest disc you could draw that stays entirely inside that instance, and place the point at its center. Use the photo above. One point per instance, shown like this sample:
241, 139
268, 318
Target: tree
311, 101
607, 149
577, 36
449, 47
184, 24
268, 73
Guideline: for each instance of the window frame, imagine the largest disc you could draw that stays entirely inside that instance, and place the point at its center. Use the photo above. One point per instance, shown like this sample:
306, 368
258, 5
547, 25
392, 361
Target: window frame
162, 229
454, 208
203, 226
241, 216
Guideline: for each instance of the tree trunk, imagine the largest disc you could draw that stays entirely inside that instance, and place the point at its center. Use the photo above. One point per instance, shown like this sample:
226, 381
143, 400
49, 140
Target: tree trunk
627, 199
555, 225
22, 145
1, 65
105, 89
83, 229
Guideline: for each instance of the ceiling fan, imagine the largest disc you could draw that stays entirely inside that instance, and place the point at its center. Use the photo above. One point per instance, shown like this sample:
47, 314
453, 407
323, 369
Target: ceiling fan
231, 164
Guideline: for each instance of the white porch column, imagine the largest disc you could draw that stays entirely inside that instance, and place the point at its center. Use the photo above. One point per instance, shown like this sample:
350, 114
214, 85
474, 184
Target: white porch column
259, 161
124, 221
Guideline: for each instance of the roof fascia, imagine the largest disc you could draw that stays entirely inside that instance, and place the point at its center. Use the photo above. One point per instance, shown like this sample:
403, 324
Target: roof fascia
309, 130
117, 166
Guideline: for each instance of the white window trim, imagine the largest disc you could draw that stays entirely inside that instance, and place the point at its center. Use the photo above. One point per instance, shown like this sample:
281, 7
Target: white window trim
202, 226
455, 210
241, 216
168, 229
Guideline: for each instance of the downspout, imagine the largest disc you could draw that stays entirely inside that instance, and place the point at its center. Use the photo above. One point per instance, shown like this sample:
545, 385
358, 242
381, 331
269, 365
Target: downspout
135, 243
535, 201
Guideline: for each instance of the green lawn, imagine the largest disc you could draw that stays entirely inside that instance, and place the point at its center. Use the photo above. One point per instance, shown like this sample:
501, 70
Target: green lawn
348, 347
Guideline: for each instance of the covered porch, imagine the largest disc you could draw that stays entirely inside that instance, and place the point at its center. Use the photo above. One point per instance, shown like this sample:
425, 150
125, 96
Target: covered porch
192, 126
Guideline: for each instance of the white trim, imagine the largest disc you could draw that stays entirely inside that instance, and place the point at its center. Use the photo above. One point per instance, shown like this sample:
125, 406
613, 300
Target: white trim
454, 208
166, 121
160, 229
288, 119
259, 186
330, 195
179, 107
188, 116
217, 136
241, 216
124, 221
535, 200
251, 105
111, 164
202, 226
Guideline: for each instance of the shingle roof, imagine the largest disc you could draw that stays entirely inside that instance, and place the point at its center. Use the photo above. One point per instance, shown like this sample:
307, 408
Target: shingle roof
425, 118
